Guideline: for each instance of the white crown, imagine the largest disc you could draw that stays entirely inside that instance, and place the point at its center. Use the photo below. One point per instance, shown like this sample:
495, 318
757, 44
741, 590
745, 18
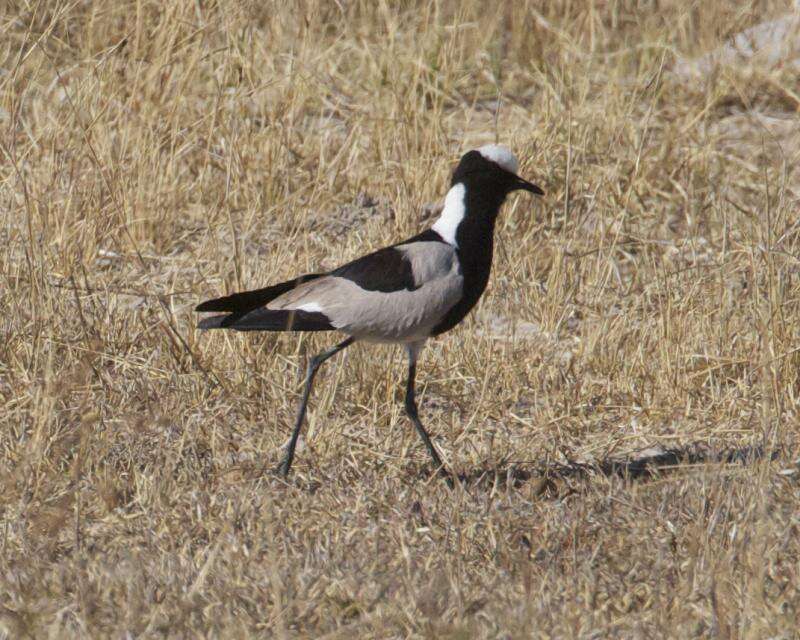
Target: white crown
501, 155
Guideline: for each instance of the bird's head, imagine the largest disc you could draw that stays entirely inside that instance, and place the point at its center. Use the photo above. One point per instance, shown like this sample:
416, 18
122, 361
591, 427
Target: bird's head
481, 182
493, 167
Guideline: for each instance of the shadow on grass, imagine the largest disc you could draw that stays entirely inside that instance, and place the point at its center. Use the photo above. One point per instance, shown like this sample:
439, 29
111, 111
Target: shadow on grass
639, 465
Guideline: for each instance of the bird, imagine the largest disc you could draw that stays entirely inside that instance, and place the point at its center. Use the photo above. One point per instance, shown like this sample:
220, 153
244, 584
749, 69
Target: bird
402, 294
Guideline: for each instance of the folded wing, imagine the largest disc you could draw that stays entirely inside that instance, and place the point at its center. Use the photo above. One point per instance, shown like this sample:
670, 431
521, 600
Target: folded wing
395, 294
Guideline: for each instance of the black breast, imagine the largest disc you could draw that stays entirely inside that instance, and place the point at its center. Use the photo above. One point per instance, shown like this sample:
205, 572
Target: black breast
475, 238
475, 269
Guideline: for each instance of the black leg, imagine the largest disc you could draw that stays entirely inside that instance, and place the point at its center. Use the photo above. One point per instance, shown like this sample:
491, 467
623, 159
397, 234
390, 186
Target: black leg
411, 410
316, 361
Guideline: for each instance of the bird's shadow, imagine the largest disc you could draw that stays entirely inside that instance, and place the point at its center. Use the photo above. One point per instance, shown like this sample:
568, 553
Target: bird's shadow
641, 465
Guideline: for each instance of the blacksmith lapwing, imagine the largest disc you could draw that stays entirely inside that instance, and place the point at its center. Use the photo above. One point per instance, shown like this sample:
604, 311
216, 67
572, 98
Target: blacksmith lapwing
403, 294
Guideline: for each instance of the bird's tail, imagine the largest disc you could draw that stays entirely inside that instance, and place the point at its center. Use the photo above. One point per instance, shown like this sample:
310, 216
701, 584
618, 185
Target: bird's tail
250, 300
269, 320
246, 311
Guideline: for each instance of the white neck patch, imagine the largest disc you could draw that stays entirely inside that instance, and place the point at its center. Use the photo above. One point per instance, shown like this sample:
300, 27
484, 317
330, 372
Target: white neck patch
501, 155
452, 214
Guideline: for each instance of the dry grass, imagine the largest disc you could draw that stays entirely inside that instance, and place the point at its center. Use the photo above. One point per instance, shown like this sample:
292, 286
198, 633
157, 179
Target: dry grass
155, 154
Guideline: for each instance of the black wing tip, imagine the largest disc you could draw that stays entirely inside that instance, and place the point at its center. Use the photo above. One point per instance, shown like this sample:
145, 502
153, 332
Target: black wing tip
269, 320
210, 305
245, 301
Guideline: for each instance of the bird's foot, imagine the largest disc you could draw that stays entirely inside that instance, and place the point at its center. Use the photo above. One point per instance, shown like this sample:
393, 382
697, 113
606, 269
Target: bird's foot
443, 473
282, 470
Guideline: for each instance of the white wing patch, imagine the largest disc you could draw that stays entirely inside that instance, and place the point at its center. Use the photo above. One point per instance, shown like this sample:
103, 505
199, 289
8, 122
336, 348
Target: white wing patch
312, 307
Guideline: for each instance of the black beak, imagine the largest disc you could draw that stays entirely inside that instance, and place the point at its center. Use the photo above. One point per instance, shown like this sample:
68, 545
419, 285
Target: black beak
523, 184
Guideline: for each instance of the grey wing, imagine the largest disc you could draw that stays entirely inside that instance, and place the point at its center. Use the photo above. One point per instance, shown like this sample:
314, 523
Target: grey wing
387, 316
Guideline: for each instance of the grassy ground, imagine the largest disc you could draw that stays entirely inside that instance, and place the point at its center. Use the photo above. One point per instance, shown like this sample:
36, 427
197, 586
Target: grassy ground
157, 154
